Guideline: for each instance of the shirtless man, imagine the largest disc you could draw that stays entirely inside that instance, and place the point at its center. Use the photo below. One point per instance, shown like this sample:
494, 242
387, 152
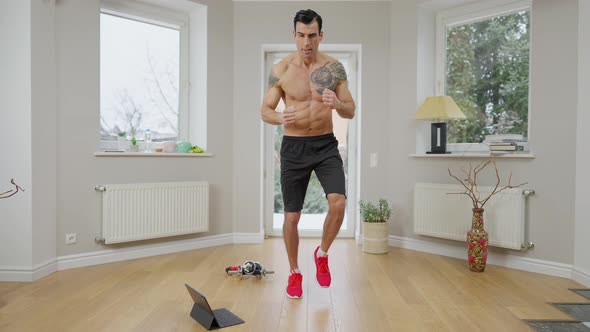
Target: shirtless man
311, 84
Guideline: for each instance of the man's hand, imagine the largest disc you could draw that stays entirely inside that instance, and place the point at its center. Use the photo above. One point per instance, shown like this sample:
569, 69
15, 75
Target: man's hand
329, 98
289, 115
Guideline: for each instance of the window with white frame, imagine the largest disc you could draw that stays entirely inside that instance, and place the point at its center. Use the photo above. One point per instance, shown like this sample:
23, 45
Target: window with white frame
143, 63
483, 53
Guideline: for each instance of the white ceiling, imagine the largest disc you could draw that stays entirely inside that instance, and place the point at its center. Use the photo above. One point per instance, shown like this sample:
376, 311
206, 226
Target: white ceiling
429, 4
443, 4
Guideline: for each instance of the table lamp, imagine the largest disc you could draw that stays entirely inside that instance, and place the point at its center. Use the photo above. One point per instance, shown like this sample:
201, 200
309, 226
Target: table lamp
439, 108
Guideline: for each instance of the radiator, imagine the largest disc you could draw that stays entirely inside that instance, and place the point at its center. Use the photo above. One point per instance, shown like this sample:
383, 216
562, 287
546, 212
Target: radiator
132, 212
438, 214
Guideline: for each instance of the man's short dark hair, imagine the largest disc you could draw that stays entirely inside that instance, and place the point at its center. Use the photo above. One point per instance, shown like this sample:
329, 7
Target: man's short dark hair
306, 17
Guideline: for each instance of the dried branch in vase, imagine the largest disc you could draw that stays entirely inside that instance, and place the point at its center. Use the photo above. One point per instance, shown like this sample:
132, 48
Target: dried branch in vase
470, 184
11, 192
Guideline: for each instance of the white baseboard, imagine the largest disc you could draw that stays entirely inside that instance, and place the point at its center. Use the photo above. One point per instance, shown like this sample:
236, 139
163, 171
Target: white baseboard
506, 260
26, 273
122, 254
23, 273
44, 269
582, 276
248, 237
16, 273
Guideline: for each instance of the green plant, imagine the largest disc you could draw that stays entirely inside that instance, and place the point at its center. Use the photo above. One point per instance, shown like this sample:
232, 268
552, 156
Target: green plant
122, 134
375, 213
133, 141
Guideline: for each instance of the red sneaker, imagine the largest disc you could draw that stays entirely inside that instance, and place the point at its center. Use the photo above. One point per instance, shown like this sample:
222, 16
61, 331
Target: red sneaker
294, 289
322, 270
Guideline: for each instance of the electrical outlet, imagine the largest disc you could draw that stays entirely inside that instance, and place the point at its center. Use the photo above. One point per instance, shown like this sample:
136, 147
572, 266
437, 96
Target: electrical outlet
71, 238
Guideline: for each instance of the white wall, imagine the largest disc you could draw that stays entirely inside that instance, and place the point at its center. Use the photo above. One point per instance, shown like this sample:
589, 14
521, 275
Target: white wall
78, 170
257, 23
582, 226
28, 139
44, 133
403, 100
15, 134
425, 72
552, 128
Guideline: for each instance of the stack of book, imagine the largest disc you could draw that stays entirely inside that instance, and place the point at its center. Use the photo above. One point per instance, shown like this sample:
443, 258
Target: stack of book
506, 143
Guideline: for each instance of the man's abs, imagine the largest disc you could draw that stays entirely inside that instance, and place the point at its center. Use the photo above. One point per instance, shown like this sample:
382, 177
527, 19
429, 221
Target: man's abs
311, 119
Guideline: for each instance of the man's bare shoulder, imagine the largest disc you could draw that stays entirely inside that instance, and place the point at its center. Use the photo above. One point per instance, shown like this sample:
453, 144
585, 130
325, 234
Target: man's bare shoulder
329, 73
282, 66
277, 71
334, 66
324, 58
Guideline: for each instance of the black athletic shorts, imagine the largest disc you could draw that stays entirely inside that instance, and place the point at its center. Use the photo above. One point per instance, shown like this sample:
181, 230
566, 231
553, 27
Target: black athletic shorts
302, 154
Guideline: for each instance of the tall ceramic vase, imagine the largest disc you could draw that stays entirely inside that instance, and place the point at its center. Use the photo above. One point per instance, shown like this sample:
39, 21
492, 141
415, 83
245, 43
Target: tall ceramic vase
477, 243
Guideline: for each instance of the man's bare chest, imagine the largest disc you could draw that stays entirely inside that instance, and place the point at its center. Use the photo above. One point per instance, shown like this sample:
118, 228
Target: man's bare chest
300, 82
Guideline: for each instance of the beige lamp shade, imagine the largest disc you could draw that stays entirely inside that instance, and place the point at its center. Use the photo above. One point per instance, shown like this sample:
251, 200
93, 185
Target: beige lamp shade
439, 107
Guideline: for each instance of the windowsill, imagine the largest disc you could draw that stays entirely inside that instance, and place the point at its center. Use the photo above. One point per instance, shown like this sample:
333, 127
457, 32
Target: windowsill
525, 155
150, 154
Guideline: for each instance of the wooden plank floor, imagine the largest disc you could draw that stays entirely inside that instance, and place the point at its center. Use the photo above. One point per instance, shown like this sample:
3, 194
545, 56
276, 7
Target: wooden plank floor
401, 291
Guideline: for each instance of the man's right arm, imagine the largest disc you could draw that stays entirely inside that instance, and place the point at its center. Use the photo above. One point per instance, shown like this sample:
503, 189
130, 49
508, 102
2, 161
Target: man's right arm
271, 100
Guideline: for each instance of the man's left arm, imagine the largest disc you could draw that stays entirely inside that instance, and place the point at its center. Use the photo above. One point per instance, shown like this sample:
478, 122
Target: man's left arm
346, 106
340, 99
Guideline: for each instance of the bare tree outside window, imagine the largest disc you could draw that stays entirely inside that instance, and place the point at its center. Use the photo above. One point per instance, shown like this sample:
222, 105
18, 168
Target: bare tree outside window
139, 79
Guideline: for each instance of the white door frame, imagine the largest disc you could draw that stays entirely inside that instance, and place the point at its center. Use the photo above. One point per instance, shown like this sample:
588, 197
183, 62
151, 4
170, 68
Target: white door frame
267, 149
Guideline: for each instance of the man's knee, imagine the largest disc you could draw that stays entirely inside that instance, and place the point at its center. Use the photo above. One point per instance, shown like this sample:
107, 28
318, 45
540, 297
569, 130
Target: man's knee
292, 217
337, 203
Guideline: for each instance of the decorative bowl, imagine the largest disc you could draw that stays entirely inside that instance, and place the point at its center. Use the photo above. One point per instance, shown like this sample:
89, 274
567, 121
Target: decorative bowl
183, 146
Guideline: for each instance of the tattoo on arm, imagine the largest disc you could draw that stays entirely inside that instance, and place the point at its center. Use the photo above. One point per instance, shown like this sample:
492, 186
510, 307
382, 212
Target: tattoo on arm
272, 80
328, 76
338, 71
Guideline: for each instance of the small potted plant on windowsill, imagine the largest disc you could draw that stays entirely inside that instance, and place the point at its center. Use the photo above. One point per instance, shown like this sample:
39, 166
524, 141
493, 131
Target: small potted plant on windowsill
375, 226
133, 147
122, 140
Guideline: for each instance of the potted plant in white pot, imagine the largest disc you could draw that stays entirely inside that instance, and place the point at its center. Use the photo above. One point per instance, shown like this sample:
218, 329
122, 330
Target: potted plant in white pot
375, 226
